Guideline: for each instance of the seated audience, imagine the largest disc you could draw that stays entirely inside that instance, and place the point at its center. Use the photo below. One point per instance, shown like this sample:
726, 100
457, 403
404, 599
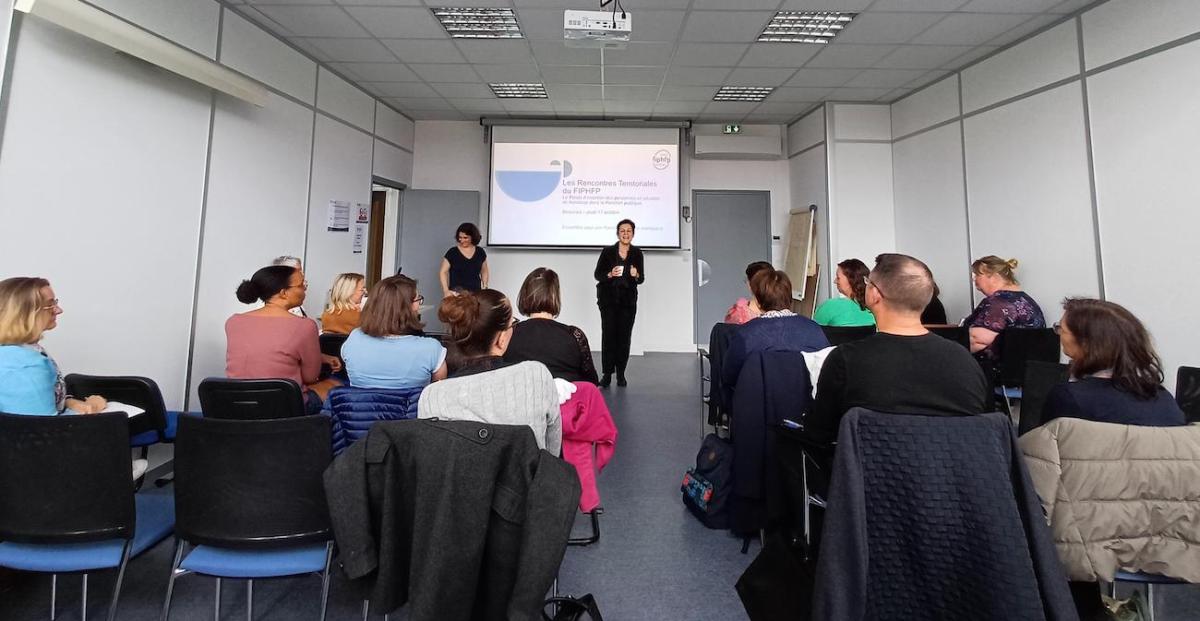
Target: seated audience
776, 329
744, 310
851, 310
483, 387
934, 314
30, 382
1116, 375
389, 350
271, 342
563, 349
344, 312
1005, 306
294, 262
902, 368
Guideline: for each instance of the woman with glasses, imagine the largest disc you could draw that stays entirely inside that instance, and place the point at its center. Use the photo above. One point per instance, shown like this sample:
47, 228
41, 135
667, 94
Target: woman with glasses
482, 387
30, 382
620, 269
1116, 377
344, 312
464, 266
851, 310
1005, 305
389, 349
271, 342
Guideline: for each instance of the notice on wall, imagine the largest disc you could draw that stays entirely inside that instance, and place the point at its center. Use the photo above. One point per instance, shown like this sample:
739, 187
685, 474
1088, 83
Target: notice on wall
364, 213
338, 216
360, 237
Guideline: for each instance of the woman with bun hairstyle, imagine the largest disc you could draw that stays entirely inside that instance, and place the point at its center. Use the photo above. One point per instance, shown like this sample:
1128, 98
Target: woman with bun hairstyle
271, 342
484, 388
1005, 305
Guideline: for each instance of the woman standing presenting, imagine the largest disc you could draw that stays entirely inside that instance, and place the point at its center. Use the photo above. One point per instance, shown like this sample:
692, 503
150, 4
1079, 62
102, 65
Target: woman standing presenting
618, 273
465, 265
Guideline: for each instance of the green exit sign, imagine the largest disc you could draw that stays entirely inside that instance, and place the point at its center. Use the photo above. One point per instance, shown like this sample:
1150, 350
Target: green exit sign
733, 129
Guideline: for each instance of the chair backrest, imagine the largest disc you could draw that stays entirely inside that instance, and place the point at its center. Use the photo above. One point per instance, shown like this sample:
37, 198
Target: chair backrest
958, 334
331, 344
250, 399
65, 478
718, 342
840, 335
133, 390
251, 483
354, 410
1018, 346
1187, 392
1040, 377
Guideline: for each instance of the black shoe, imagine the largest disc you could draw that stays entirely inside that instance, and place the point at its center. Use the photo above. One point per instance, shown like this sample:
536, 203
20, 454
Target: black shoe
606, 380
621, 380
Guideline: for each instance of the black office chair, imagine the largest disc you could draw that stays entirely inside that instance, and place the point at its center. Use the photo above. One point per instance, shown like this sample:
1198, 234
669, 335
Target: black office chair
67, 503
714, 409
840, 335
149, 427
1040, 378
1018, 346
259, 399
251, 502
1187, 392
958, 334
331, 343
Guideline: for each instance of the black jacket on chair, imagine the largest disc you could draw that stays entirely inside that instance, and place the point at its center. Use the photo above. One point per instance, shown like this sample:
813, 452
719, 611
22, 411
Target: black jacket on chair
460, 520
935, 518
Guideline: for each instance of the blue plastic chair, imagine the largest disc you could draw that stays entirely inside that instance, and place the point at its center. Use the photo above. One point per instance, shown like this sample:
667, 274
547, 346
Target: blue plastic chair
1142, 578
67, 502
251, 502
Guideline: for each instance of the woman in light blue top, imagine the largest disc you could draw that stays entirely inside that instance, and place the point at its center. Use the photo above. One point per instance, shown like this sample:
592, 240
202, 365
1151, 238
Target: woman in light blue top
388, 349
30, 382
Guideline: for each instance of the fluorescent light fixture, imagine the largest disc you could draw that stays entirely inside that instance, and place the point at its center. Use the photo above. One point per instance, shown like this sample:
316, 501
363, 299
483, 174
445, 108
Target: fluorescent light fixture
804, 26
518, 90
86, 20
481, 23
743, 93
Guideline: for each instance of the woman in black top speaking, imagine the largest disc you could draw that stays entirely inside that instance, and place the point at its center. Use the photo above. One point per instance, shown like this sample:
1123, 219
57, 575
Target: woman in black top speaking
619, 271
465, 265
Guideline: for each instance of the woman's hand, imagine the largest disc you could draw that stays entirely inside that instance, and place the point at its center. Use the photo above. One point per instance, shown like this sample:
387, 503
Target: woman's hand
633, 271
334, 362
614, 272
92, 405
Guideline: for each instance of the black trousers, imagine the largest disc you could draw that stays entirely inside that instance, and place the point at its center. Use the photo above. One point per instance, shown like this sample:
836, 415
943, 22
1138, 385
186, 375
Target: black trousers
616, 331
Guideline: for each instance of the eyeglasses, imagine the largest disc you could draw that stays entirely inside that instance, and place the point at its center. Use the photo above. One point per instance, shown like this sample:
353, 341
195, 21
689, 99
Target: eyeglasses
419, 299
303, 285
51, 304
867, 280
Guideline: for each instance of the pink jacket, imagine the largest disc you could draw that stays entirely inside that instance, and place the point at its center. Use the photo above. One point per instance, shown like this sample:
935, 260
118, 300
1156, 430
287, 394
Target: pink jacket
586, 422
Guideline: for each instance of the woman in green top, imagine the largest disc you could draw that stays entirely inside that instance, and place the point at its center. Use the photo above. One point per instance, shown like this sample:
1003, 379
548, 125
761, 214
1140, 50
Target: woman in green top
852, 309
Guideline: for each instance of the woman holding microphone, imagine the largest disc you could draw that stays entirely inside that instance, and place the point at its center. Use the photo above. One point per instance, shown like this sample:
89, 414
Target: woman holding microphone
619, 271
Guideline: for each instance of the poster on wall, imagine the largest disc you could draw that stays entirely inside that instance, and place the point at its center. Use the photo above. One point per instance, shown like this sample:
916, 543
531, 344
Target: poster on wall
338, 216
360, 236
364, 213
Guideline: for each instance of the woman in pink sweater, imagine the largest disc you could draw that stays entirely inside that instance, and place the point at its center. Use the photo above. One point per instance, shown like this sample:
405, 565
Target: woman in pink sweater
271, 342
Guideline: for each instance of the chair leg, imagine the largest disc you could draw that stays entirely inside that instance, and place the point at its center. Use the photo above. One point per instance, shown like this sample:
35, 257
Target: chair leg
249, 600
83, 598
325, 579
366, 608
53, 593
217, 603
1150, 600
166, 611
116, 594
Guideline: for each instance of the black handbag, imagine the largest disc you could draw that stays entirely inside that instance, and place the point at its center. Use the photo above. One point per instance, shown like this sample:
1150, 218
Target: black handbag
572, 609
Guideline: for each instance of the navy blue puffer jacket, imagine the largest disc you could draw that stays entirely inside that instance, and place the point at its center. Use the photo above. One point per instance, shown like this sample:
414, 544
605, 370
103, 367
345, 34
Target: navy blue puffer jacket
354, 410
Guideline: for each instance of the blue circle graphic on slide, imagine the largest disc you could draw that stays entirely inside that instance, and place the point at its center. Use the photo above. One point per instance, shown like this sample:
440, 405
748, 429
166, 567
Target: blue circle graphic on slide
530, 186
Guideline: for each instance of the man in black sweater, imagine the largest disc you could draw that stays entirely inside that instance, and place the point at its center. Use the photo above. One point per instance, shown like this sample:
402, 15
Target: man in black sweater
903, 368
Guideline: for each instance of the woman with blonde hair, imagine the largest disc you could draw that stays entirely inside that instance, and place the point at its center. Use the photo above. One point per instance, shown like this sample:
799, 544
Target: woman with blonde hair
30, 382
344, 312
1004, 305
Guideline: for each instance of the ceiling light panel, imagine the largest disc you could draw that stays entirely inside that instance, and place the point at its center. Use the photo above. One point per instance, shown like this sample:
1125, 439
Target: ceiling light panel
743, 93
805, 26
518, 90
479, 23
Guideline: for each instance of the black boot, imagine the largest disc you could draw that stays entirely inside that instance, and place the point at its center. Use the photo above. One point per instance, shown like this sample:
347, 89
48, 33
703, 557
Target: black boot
621, 378
606, 380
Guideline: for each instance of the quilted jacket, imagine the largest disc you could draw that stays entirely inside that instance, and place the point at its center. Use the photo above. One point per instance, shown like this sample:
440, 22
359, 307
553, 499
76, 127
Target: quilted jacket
1119, 496
354, 410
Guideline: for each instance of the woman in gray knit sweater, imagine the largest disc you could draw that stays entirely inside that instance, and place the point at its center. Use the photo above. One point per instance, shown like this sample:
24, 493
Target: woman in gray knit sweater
481, 386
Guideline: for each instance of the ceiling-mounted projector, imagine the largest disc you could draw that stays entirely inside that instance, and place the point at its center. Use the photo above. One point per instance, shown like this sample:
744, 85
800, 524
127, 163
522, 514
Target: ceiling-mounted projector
603, 29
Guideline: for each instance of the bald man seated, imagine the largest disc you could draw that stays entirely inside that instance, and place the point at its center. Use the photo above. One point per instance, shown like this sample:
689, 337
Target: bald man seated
903, 368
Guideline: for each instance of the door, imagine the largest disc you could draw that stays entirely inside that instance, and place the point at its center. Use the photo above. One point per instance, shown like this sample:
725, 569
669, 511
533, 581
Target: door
375, 237
730, 230
427, 231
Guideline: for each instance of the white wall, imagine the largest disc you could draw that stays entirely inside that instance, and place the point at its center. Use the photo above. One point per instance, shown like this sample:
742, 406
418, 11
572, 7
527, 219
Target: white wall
1028, 180
108, 189
862, 221
807, 175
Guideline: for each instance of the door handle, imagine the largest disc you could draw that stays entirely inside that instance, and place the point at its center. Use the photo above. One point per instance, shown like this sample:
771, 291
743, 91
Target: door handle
703, 272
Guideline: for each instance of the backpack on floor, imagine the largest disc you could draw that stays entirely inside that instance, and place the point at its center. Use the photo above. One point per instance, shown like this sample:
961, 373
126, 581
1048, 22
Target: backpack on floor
706, 487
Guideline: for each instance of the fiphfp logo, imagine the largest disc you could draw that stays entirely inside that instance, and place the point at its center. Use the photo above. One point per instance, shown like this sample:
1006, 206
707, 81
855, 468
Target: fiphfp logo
661, 159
